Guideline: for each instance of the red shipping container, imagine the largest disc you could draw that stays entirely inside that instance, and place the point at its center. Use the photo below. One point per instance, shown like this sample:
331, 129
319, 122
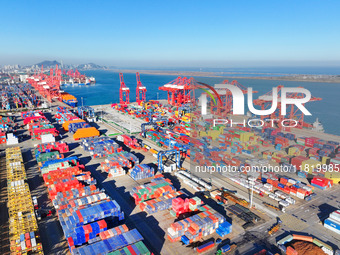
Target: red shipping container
131, 250
70, 241
291, 251
87, 229
323, 182
297, 161
275, 183
28, 244
102, 224
309, 141
283, 181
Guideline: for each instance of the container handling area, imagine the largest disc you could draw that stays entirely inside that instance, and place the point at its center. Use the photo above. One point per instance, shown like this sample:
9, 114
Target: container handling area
157, 177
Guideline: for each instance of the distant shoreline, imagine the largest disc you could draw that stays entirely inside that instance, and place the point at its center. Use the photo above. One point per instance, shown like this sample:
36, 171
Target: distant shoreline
289, 77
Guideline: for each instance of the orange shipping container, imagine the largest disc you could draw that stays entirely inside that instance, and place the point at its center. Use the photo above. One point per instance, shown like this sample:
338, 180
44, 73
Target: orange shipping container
303, 238
67, 123
85, 132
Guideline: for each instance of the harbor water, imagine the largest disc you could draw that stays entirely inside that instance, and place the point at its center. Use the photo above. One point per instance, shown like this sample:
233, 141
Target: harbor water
106, 91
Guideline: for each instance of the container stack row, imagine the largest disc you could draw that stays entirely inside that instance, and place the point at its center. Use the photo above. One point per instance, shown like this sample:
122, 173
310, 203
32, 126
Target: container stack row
100, 147
161, 203
61, 147
87, 215
129, 141
115, 163
23, 235
197, 226
162, 139
142, 171
310, 157
74, 124
159, 186
16, 96
6, 124
333, 222
180, 205
129, 242
38, 125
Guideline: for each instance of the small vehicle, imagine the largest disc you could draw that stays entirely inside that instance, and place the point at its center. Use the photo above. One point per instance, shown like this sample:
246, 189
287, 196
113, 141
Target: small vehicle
226, 249
275, 228
35, 202
230, 191
38, 215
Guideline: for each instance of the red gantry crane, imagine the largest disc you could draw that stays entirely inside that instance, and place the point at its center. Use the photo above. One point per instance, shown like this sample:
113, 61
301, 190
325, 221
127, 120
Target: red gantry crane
223, 97
293, 112
140, 91
47, 85
124, 92
227, 99
181, 91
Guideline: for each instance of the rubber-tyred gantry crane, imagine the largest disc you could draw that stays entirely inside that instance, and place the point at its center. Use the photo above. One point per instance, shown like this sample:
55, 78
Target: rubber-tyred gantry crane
124, 92
294, 115
181, 91
140, 91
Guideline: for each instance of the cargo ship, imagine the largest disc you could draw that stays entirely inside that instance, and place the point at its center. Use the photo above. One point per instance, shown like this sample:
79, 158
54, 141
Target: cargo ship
74, 78
79, 81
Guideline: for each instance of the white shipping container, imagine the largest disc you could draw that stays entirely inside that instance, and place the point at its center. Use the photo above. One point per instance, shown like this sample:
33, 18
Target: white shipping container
33, 242
47, 138
335, 215
300, 195
284, 203
327, 251
23, 245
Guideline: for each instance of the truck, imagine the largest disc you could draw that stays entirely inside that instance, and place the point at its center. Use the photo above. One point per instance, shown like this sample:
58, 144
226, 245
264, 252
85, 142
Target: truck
280, 208
226, 249
275, 228
206, 246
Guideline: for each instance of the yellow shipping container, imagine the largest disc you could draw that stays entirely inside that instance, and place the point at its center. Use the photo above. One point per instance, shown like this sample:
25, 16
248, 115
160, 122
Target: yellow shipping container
293, 151
153, 151
325, 160
309, 164
214, 133
245, 136
335, 176
203, 133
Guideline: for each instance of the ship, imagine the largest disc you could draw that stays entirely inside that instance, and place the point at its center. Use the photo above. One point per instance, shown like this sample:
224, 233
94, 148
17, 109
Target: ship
317, 126
79, 81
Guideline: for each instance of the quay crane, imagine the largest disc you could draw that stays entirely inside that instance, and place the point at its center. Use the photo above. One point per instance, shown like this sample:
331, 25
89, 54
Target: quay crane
124, 92
140, 91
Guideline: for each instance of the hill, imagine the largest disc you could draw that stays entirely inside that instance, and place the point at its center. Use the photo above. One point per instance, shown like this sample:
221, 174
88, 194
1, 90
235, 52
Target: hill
48, 63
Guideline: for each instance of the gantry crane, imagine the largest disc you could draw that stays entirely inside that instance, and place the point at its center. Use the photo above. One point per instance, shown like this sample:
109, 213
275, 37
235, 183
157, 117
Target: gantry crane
180, 91
47, 85
225, 106
140, 91
124, 92
293, 113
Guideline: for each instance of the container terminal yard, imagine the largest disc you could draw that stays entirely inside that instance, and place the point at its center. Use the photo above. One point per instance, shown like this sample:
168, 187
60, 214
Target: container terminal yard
132, 178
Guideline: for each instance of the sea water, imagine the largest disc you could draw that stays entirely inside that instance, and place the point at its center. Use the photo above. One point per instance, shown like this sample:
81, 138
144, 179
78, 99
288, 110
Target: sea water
106, 91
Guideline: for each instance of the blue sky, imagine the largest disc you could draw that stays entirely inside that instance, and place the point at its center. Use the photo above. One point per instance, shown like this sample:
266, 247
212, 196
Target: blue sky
172, 33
